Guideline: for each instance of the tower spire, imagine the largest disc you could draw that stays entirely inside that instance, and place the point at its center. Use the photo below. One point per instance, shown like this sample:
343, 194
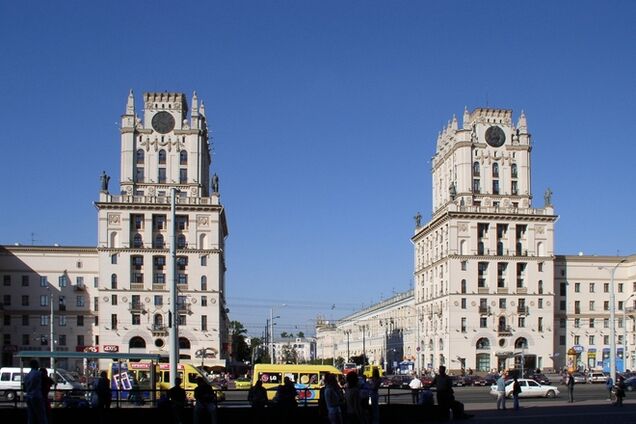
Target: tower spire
522, 125
195, 104
130, 103
465, 118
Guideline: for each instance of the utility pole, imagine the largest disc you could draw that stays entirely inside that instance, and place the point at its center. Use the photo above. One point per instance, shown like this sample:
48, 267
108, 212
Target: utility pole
51, 317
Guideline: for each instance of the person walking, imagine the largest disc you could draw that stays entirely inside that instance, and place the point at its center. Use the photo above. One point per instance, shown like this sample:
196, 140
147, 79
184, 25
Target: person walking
205, 406
501, 392
102, 390
516, 391
33, 395
570, 384
355, 411
620, 391
416, 386
178, 401
47, 382
257, 396
334, 399
374, 385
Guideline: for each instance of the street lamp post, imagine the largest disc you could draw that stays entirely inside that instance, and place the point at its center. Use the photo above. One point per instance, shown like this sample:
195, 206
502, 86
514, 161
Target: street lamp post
51, 344
612, 359
364, 352
271, 332
348, 332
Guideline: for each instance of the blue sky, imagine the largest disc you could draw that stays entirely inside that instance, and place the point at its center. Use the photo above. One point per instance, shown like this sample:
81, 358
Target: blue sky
324, 116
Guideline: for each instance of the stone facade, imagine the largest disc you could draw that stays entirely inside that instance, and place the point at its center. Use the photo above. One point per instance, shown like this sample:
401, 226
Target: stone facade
129, 276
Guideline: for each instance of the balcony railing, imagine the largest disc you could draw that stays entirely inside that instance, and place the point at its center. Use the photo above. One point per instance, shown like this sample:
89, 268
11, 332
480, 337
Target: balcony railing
504, 331
159, 330
136, 307
523, 310
484, 310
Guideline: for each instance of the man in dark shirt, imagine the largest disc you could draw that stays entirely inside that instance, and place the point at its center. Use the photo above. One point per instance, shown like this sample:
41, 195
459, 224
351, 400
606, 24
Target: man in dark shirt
444, 386
177, 397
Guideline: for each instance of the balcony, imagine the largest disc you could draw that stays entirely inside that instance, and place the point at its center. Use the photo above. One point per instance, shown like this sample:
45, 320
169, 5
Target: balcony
482, 290
504, 331
158, 286
522, 290
183, 308
79, 287
484, 310
523, 310
502, 290
136, 307
159, 330
136, 286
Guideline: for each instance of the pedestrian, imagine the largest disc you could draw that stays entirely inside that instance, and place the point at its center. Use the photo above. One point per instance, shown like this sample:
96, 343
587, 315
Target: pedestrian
374, 385
47, 382
609, 384
444, 386
416, 386
178, 401
516, 391
570, 384
102, 390
355, 411
501, 392
257, 396
205, 406
33, 395
286, 399
620, 391
334, 399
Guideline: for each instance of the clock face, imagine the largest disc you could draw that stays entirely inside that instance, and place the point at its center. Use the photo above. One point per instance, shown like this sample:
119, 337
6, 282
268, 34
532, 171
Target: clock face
495, 136
163, 122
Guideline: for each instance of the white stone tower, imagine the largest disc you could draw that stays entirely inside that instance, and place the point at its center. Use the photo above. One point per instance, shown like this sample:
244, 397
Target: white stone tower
484, 262
164, 150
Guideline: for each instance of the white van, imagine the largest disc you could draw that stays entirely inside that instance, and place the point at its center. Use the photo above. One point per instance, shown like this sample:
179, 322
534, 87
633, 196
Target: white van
11, 381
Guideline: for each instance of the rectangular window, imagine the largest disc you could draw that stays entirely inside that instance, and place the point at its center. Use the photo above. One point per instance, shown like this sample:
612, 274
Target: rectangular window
25, 300
514, 188
113, 299
562, 289
463, 303
43, 281
6, 300
63, 281
113, 321
80, 320
476, 185
61, 339
158, 300
592, 323
183, 175
620, 305
25, 281
577, 323
44, 320
44, 300
136, 319
620, 287
25, 320
483, 322
6, 280
113, 259
577, 287
26, 340
96, 322
592, 287
562, 340
495, 187
606, 305
96, 303
95, 282
502, 303
606, 340
204, 301
606, 323
62, 320
577, 340
204, 323
540, 265
159, 222
463, 329
577, 306
590, 340
540, 324
540, 303
591, 305
162, 175
139, 173
562, 323
182, 320
62, 303
7, 320
80, 340
464, 265
79, 301
605, 287
522, 322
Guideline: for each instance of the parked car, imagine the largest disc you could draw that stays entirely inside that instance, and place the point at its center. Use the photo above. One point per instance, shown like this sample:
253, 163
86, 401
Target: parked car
540, 378
469, 380
427, 381
529, 388
596, 377
579, 378
385, 382
400, 381
630, 384
486, 380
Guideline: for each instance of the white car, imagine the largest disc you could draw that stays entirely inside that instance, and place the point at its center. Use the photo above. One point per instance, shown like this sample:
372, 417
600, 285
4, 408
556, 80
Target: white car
529, 388
596, 377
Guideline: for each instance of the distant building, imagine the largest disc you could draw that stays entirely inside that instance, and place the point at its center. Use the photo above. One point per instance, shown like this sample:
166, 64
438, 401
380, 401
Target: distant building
490, 292
303, 349
115, 297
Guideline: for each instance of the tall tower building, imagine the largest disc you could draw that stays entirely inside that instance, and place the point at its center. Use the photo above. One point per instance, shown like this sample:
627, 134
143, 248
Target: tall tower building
165, 149
484, 262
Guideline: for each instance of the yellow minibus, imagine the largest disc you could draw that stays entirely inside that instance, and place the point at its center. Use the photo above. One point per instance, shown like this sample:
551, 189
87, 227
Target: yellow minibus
306, 378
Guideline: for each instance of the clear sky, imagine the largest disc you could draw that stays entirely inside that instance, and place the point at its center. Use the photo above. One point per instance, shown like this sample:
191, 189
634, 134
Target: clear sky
324, 117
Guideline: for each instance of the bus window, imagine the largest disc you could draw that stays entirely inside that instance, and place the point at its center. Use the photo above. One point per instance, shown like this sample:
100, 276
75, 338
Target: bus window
270, 377
291, 376
308, 378
192, 377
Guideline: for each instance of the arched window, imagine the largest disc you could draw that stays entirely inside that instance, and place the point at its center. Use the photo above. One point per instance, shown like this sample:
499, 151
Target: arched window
159, 241
441, 344
502, 324
500, 248
476, 169
202, 241
540, 249
113, 239
521, 343
463, 288
162, 157
137, 342
113, 281
158, 321
184, 343
140, 157
462, 247
483, 343
540, 286
181, 241
204, 283
183, 157
495, 170
513, 170
137, 241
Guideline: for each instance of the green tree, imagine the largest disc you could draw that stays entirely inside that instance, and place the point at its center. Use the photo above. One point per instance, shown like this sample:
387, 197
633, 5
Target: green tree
240, 350
285, 335
301, 334
289, 354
